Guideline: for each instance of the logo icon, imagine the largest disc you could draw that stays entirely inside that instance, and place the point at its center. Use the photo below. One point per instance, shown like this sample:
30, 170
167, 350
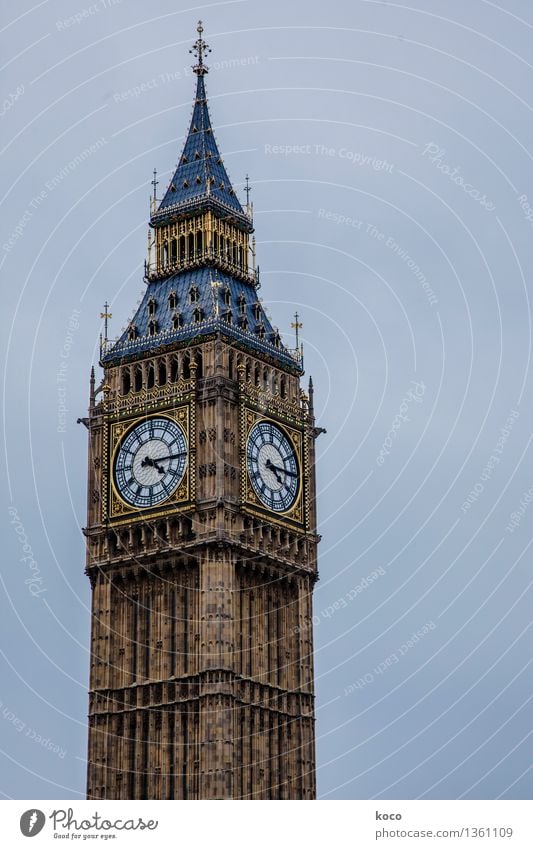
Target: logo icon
32, 822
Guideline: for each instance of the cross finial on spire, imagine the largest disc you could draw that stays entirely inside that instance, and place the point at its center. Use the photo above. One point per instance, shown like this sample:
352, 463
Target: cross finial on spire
105, 315
297, 326
247, 189
153, 199
200, 49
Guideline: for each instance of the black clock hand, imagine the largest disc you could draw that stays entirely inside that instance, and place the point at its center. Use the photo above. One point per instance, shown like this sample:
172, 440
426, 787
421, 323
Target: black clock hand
271, 468
275, 469
149, 462
172, 456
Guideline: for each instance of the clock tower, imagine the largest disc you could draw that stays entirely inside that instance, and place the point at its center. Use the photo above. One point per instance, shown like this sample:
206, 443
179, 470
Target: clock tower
201, 533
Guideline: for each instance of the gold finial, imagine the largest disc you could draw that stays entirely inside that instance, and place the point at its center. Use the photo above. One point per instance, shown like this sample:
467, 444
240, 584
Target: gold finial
153, 199
200, 49
105, 315
297, 326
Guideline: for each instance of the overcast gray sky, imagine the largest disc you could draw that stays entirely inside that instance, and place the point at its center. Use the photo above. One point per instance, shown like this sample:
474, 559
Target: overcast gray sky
389, 148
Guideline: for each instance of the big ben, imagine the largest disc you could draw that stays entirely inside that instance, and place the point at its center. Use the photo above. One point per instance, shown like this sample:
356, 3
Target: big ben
201, 533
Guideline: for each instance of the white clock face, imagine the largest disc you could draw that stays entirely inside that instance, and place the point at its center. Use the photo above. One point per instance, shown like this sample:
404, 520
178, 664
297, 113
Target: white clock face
272, 466
150, 462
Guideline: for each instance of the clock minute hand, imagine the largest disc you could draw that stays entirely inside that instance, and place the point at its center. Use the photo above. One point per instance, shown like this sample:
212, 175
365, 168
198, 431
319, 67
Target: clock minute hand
172, 456
274, 468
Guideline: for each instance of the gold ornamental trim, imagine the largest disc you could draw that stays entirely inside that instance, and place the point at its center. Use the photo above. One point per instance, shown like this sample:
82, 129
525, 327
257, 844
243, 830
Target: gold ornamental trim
250, 501
181, 498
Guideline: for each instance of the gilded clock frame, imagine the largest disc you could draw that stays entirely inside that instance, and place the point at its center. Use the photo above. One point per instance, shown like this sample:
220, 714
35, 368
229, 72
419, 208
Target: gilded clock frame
115, 509
298, 514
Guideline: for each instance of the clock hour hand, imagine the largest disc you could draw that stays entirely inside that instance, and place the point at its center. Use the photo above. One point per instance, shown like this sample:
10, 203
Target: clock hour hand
149, 462
273, 468
270, 465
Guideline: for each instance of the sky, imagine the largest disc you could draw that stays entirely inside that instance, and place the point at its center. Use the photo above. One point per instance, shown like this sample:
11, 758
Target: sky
389, 147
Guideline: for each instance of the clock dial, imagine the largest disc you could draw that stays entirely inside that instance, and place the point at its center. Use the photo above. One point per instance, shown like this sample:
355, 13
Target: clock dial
272, 466
150, 462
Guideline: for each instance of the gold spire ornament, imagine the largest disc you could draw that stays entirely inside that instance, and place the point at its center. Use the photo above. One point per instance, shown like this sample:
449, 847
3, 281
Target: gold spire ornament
200, 48
106, 315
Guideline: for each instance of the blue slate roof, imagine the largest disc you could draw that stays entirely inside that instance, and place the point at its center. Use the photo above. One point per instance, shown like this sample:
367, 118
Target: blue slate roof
231, 307
259, 334
200, 178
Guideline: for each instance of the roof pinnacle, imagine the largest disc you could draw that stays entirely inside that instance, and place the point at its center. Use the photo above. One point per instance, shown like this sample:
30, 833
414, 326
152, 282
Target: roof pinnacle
200, 48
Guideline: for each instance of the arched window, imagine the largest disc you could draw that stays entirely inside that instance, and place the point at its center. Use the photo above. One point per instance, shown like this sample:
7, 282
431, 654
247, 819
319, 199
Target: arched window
151, 377
226, 294
199, 243
182, 248
257, 311
174, 370
194, 295
256, 375
261, 331
231, 360
138, 379
186, 366
198, 314
228, 316
162, 373
199, 364
151, 306
173, 251
176, 321
283, 386
241, 301
191, 245
235, 253
126, 381
172, 301
152, 328
132, 332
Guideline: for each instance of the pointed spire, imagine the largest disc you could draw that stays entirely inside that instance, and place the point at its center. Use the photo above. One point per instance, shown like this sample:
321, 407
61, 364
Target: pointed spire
200, 178
91, 389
